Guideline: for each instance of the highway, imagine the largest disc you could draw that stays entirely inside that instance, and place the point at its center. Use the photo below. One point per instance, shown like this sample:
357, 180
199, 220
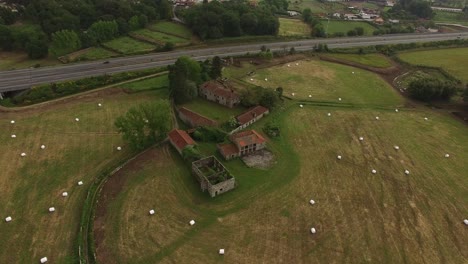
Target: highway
16, 80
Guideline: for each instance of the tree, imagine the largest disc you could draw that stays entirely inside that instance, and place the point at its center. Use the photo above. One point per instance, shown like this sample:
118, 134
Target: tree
191, 153
307, 15
231, 24
7, 15
216, 68
352, 33
184, 76
6, 38
64, 42
104, 30
280, 91
429, 89
145, 124
134, 23
37, 48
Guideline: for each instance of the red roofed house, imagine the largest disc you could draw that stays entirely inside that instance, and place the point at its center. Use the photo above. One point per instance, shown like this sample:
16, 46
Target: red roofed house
194, 119
216, 92
244, 143
180, 139
251, 116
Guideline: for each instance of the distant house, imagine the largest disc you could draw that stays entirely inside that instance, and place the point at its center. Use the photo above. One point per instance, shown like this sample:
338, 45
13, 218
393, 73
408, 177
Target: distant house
180, 139
394, 21
216, 92
337, 15
293, 13
243, 143
194, 119
379, 21
251, 116
350, 16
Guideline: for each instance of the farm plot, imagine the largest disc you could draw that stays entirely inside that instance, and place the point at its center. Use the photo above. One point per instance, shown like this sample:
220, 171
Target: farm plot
336, 26
454, 61
127, 45
93, 53
161, 38
293, 27
358, 216
325, 81
74, 151
317, 6
160, 82
373, 60
172, 28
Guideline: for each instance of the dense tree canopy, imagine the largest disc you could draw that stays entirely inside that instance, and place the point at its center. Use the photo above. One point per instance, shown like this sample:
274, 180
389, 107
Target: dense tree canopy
184, 76
430, 89
146, 124
63, 42
230, 19
412, 8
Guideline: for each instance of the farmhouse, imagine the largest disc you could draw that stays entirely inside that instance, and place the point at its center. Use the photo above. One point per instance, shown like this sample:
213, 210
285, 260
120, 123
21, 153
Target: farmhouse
244, 143
180, 139
216, 92
251, 116
194, 119
213, 176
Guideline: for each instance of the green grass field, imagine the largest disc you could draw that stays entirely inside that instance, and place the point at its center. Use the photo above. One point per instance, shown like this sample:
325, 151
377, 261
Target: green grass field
213, 110
455, 61
94, 53
172, 29
293, 27
30, 185
336, 26
127, 45
449, 17
317, 6
388, 217
373, 60
20, 60
154, 83
326, 81
161, 37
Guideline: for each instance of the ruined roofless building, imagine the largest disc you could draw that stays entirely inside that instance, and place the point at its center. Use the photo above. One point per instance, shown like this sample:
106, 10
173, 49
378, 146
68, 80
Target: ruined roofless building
213, 176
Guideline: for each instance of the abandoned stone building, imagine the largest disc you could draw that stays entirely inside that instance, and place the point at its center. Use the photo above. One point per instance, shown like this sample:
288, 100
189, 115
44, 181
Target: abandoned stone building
243, 143
217, 92
180, 139
251, 116
213, 176
194, 119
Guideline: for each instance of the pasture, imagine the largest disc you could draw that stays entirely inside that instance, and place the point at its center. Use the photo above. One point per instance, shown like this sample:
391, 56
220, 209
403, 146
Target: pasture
317, 6
337, 26
74, 151
127, 46
20, 60
359, 216
213, 110
373, 59
293, 27
161, 38
160, 82
93, 53
326, 82
454, 61
172, 28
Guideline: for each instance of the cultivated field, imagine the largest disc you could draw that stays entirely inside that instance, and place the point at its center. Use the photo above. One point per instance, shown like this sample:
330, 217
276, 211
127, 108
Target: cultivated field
161, 38
387, 217
127, 45
75, 151
172, 29
373, 59
293, 27
336, 26
455, 61
326, 81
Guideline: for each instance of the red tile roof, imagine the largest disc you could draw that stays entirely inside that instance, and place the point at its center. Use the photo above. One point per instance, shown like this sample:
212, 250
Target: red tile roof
228, 149
251, 114
218, 89
197, 119
180, 139
247, 137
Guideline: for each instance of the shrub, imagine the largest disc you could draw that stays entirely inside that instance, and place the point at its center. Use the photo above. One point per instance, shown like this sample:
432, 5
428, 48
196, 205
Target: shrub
272, 129
429, 89
209, 134
191, 154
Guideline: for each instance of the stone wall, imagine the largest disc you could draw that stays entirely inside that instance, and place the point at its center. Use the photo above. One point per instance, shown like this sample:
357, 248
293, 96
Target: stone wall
205, 184
222, 187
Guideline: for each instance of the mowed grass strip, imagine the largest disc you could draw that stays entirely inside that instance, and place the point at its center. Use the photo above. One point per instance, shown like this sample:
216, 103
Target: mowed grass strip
359, 216
293, 27
455, 61
172, 29
213, 110
153, 83
127, 45
95, 53
326, 81
75, 151
373, 60
336, 26
161, 37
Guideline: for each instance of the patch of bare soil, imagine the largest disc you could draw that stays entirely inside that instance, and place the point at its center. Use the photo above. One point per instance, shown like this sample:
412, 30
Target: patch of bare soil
109, 192
262, 159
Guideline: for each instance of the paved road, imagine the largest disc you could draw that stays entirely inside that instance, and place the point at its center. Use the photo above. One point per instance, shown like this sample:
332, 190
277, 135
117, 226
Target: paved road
25, 78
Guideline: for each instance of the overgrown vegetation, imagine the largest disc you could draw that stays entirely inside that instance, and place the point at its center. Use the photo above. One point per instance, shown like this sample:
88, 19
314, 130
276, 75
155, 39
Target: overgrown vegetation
431, 89
209, 134
258, 95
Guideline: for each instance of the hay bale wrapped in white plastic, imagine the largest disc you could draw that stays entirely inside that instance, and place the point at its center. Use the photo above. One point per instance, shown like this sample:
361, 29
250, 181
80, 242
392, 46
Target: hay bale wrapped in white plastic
13, 136
297, 64
301, 106
339, 99
312, 202
12, 121
151, 212
374, 171
377, 118
293, 94
221, 251
289, 65
310, 95
23, 154
44, 260
407, 172
396, 110
64, 194
8, 219
447, 155
42, 146
426, 118
77, 119
119, 148
396, 147
251, 79
338, 157
361, 138
465, 222
51, 209
80, 183
192, 222
329, 114
313, 231
99, 104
